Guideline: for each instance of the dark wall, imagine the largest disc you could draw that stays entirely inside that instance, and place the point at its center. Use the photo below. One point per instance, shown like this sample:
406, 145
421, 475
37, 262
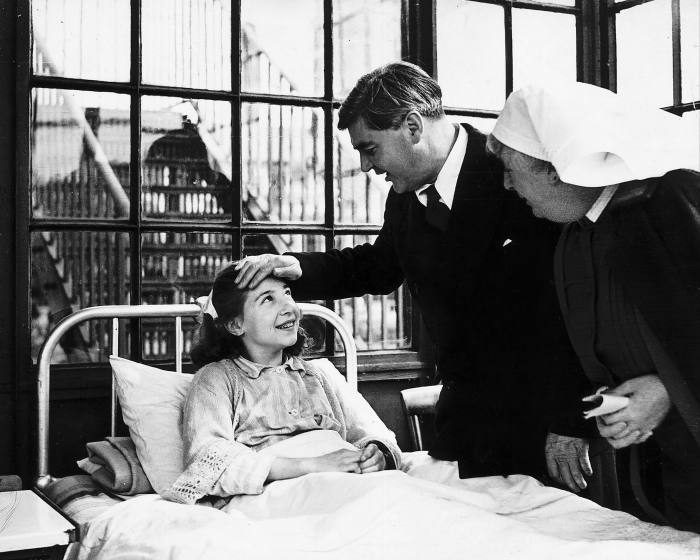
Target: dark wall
8, 373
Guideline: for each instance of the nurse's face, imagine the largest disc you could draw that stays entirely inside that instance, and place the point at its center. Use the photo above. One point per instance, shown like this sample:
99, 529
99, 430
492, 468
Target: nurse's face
543, 191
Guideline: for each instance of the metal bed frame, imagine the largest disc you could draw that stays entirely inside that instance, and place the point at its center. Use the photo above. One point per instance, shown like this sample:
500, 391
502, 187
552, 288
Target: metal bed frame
177, 311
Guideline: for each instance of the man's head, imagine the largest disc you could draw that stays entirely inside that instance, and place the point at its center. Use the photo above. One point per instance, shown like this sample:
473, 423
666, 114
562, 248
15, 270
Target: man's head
384, 96
390, 115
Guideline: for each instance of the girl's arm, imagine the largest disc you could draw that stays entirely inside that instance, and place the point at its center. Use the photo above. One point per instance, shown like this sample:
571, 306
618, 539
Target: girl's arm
363, 425
342, 460
216, 463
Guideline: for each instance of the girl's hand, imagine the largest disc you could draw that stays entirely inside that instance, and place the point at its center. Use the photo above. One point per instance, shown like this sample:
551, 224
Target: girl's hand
343, 460
372, 459
649, 404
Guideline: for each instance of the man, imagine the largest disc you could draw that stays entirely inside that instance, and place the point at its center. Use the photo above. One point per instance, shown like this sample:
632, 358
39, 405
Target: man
478, 266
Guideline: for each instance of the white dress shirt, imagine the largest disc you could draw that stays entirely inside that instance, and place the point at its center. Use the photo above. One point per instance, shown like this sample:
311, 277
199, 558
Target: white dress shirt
447, 178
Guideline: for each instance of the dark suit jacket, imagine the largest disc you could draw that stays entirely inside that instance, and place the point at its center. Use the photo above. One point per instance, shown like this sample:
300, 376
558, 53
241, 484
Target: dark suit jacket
485, 291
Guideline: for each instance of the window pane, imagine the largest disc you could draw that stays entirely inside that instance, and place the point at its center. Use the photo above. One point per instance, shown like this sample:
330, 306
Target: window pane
71, 270
258, 244
544, 47
471, 54
186, 159
481, 124
644, 60
379, 322
82, 38
187, 43
282, 46
177, 267
690, 50
80, 154
366, 34
359, 197
282, 163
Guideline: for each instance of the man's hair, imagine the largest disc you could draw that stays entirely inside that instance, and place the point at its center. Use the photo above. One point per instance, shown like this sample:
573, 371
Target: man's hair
384, 96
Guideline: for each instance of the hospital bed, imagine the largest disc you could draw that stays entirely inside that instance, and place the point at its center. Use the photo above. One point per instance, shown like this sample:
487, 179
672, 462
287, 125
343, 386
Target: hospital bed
422, 511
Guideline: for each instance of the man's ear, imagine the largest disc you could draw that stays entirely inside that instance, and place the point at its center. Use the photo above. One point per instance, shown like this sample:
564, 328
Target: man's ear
235, 327
414, 125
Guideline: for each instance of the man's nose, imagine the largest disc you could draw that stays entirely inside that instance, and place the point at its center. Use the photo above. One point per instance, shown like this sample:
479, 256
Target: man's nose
365, 163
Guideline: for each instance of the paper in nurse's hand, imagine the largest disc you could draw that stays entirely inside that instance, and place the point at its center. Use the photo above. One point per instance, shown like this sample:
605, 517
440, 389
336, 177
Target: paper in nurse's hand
599, 404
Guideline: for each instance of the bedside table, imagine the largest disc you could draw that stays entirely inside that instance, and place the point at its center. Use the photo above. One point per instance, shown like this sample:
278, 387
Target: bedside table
31, 528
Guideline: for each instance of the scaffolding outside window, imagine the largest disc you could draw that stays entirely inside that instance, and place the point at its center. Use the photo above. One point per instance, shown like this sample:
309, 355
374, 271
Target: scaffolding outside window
142, 131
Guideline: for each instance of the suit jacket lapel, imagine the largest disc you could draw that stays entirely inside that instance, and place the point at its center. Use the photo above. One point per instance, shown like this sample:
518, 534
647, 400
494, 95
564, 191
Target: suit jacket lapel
477, 202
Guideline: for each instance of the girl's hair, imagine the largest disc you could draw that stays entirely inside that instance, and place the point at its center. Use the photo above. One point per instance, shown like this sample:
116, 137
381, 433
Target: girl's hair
215, 342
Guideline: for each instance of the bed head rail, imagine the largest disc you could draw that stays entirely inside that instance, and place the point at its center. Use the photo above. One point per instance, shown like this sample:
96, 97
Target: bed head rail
177, 311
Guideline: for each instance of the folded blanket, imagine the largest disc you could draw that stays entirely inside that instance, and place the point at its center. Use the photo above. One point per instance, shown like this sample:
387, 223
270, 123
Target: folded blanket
62, 490
114, 465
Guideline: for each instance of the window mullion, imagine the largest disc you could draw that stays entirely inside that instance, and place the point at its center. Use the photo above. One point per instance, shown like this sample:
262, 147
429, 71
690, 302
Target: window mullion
676, 51
135, 175
22, 218
508, 23
236, 155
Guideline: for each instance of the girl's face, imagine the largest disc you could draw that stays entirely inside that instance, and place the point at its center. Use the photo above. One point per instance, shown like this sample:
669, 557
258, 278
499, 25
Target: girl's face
269, 322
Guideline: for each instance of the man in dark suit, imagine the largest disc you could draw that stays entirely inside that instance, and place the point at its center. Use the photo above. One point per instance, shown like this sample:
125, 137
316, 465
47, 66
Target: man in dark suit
478, 266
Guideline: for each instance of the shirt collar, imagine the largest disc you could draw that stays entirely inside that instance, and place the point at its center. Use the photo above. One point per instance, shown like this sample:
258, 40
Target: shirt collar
446, 181
254, 370
601, 203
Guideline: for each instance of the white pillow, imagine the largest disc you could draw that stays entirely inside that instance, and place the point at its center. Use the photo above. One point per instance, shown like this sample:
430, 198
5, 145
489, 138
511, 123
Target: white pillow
151, 400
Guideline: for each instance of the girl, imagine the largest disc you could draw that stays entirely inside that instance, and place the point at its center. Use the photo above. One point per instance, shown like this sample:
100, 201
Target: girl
253, 390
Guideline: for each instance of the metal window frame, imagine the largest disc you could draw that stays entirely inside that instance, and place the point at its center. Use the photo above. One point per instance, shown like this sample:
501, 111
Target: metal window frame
611, 9
595, 35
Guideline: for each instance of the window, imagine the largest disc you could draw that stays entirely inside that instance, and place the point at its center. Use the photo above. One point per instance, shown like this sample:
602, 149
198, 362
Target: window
488, 48
661, 66
170, 136
167, 137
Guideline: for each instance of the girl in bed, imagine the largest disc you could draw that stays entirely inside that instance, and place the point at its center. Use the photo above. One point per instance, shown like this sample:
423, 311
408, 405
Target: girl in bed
253, 390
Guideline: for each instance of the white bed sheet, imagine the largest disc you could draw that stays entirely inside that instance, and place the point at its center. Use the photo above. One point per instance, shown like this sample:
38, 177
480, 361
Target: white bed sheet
428, 514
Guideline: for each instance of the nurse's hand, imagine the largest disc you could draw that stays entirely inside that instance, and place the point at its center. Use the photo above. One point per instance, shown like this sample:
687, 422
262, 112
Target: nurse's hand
253, 270
649, 404
567, 460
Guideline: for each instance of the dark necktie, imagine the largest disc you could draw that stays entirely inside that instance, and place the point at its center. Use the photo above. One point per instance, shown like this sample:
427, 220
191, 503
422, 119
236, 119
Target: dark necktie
437, 214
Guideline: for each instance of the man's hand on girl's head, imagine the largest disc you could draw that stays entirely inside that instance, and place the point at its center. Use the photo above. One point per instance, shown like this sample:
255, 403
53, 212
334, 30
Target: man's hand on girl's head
253, 270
